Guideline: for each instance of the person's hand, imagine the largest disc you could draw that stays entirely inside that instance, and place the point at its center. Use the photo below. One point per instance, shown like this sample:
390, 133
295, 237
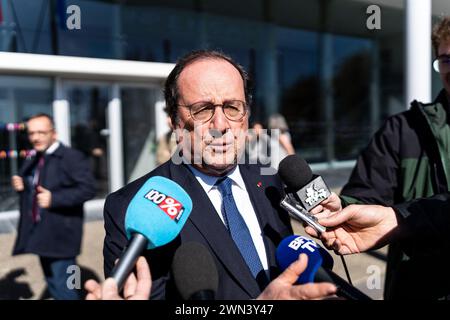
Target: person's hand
44, 197
327, 207
97, 152
283, 288
17, 183
136, 287
357, 228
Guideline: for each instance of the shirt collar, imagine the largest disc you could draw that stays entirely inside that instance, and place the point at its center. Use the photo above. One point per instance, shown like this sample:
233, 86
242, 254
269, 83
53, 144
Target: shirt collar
208, 182
52, 148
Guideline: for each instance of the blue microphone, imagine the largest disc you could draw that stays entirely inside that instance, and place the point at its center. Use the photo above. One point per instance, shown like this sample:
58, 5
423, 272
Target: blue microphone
319, 266
155, 216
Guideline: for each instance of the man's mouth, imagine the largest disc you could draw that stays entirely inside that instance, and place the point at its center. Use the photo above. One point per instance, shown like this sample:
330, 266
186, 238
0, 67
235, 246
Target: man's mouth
220, 147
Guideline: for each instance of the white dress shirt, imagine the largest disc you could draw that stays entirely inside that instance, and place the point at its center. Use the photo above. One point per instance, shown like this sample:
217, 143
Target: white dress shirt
243, 203
53, 147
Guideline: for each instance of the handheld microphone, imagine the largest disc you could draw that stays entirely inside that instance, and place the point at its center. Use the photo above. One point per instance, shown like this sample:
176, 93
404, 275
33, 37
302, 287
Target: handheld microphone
304, 191
154, 217
319, 265
195, 272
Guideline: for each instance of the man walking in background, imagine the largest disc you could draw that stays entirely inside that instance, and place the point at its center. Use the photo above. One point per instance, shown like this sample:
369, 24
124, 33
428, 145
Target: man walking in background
53, 187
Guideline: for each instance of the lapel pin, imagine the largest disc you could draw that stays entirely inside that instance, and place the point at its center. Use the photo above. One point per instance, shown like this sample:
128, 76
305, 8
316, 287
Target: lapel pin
259, 184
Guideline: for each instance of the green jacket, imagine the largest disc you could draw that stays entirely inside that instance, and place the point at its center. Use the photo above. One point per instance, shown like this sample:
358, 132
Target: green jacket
408, 158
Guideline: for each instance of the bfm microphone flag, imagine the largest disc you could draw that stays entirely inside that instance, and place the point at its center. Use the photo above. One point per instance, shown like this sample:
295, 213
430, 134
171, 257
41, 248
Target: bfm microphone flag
291, 247
319, 266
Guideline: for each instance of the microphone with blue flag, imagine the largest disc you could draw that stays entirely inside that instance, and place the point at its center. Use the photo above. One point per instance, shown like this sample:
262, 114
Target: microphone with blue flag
154, 217
319, 266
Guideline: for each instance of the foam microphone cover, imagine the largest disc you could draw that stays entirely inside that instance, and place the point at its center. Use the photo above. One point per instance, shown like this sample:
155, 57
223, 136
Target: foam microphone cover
319, 266
294, 172
291, 247
195, 272
158, 211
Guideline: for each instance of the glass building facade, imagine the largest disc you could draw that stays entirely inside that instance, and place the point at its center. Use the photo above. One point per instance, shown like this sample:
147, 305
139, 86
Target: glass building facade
314, 61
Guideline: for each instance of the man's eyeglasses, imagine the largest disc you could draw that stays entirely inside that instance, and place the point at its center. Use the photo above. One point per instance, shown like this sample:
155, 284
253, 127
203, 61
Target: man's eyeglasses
39, 133
442, 64
202, 111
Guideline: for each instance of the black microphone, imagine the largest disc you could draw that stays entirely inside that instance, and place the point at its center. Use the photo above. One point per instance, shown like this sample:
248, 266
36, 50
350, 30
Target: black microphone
304, 191
195, 272
309, 189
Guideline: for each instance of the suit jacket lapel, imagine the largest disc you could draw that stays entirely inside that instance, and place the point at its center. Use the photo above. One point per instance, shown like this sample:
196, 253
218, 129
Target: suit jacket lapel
47, 172
204, 217
28, 166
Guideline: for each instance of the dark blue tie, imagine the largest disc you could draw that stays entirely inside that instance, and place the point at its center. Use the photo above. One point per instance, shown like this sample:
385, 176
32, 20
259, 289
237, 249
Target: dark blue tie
237, 227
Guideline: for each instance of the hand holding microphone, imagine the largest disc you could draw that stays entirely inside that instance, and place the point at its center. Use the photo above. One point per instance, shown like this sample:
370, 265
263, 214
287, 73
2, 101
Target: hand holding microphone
307, 195
154, 217
136, 287
358, 228
285, 286
196, 278
319, 266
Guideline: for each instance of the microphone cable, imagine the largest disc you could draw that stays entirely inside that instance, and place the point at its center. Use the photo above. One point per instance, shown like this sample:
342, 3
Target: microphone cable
346, 269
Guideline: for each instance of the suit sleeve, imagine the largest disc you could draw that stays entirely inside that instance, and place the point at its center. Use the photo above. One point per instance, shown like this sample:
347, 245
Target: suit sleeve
82, 186
115, 237
374, 178
426, 219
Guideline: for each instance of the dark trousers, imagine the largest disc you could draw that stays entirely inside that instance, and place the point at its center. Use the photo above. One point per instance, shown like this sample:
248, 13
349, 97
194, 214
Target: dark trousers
56, 274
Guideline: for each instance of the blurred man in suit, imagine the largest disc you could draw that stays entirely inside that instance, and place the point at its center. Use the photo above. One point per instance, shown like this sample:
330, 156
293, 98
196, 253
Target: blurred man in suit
53, 187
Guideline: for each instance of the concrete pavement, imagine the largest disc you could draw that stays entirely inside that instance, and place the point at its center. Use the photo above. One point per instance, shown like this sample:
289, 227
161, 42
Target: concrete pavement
21, 276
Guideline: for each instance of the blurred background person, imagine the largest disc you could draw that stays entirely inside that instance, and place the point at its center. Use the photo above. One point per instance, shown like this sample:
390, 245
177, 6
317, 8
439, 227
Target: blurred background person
87, 139
409, 158
166, 145
281, 145
361, 228
53, 187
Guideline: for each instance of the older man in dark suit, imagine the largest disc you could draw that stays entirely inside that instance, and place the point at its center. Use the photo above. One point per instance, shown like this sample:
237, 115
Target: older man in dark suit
233, 216
53, 187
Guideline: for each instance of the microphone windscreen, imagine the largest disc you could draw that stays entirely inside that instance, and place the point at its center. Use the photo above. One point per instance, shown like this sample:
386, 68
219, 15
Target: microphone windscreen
194, 270
294, 172
158, 211
291, 247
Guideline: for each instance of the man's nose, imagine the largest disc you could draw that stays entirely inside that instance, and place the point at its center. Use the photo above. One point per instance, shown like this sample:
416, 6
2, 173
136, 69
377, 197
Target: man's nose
219, 121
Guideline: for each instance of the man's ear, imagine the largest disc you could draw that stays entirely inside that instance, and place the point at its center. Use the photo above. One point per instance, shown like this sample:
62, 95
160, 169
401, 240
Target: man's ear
171, 124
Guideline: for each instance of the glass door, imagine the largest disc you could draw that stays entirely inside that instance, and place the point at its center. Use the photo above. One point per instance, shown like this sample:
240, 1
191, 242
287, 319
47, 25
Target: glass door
89, 131
141, 126
117, 126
